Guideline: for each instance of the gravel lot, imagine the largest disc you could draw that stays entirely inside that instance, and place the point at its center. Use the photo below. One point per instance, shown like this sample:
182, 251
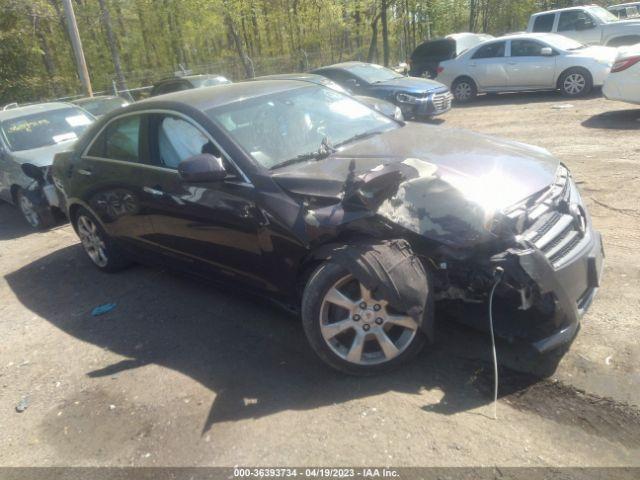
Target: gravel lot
181, 373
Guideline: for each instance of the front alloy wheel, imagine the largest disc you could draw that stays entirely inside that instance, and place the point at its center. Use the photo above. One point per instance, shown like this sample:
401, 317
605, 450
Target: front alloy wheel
576, 82
353, 331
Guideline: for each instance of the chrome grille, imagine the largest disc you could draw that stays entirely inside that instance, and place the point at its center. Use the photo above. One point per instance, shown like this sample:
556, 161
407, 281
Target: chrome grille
442, 101
552, 226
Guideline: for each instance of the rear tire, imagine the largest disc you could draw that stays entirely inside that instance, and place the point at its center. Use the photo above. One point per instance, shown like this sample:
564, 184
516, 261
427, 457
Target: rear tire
464, 90
103, 252
37, 217
575, 82
347, 337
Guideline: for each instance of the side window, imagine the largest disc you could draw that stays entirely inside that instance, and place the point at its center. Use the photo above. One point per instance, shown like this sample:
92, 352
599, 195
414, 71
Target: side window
544, 23
491, 50
525, 48
178, 139
119, 141
574, 20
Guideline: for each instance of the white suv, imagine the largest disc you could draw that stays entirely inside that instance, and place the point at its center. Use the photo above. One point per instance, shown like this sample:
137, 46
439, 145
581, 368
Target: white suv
592, 25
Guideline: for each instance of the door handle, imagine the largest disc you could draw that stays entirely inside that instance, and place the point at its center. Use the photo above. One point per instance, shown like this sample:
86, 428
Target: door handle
85, 171
156, 191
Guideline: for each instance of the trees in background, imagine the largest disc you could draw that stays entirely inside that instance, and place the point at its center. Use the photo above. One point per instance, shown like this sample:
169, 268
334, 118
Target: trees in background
136, 41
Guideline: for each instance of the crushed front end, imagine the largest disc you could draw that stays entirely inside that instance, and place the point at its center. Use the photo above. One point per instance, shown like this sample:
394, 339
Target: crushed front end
552, 269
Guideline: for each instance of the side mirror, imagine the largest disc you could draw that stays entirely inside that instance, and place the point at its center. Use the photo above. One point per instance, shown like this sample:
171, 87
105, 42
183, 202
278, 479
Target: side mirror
546, 51
202, 168
31, 171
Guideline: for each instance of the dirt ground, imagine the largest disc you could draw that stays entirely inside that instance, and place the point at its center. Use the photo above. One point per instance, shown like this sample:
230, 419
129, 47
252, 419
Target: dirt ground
181, 373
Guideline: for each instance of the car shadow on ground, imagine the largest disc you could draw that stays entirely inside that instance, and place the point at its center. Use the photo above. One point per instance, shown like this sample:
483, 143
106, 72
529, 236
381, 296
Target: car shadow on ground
615, 120
522, 98
236, 345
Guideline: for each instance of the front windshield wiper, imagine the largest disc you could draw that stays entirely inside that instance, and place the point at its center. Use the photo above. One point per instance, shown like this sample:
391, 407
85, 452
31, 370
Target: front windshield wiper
324, 150
359, 136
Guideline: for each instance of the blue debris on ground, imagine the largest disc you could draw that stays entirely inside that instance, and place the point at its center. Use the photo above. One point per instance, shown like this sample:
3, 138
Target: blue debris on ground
102, 309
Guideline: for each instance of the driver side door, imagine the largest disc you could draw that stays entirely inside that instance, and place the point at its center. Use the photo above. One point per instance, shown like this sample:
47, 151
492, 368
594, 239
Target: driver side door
528, 67
210, 228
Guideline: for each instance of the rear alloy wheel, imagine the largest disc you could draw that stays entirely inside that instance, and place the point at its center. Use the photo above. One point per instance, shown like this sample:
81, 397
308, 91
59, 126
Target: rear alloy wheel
576, 82
102, 251
464, 90
37, 218
353, 331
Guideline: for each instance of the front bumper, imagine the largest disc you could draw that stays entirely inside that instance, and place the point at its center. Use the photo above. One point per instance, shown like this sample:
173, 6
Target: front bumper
554, 274
433, 104
568, 290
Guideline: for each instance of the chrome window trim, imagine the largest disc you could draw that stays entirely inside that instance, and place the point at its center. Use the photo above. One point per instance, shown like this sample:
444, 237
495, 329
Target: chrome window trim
245, 180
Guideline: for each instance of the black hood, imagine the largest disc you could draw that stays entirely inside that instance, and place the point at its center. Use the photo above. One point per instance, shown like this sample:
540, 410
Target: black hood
439, 177
468, 161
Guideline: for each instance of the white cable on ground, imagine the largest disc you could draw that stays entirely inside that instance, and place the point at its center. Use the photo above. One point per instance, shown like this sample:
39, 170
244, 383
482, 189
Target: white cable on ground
498, 277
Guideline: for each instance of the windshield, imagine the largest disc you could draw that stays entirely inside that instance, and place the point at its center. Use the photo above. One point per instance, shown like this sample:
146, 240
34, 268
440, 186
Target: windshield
602, 14
563, 43
371, 73
208, 81
44, 128
276, 129
101, 106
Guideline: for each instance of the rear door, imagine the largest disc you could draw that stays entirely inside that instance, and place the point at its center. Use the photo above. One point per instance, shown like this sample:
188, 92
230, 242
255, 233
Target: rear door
109, 179
488, 66
212, 228
528, 68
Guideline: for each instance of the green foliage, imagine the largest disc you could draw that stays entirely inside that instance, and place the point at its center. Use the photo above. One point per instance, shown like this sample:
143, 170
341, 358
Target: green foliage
155, 37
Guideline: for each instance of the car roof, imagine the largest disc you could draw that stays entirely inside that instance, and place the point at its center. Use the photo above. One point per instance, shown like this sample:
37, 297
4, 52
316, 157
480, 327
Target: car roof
524, 36
313, 77
95, 97
580, 7
218, 95
31, 109
343, 65
461, 35
188, 77
630, 4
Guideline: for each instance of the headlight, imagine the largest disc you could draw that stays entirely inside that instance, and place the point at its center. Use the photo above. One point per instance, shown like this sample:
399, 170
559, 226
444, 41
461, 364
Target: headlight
398, 115
404, 98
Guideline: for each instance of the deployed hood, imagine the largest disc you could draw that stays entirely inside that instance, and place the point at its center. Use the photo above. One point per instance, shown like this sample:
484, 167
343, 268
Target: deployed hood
43, 156
414, 84
441, 183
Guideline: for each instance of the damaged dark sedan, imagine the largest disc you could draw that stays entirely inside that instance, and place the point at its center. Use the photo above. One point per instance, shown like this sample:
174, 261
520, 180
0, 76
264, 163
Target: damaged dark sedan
365, 224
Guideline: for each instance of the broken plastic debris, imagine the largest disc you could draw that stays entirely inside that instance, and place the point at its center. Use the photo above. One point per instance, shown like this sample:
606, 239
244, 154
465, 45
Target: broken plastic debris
102, 309
22, 405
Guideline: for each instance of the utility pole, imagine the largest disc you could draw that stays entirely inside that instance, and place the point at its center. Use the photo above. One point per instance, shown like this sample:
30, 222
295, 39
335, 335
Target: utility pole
76, 43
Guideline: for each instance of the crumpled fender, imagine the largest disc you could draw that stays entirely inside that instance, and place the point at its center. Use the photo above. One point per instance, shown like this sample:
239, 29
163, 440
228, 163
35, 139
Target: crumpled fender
392, 271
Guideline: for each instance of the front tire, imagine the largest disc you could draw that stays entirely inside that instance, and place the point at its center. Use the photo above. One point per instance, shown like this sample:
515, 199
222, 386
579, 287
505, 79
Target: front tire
37, 218
464, 90
103, 252
575, 82
351, 330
